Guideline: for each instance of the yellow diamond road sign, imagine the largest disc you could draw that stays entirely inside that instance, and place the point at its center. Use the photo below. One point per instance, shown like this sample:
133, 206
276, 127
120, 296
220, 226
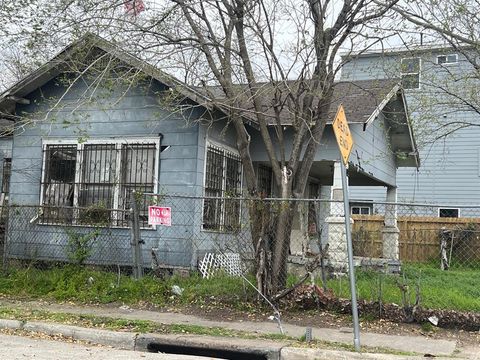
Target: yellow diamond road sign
343, 134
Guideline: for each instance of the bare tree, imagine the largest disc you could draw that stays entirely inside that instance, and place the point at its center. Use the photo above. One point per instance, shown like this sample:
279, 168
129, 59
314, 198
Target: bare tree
282, 84
270, 62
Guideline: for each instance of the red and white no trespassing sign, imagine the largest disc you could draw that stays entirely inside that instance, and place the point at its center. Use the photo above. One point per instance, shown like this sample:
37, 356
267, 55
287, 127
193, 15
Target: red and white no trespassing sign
158, 215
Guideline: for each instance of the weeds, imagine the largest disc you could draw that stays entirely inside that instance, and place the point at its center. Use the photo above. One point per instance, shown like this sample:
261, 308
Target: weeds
80, 245
427, 327
454, 289
81, 284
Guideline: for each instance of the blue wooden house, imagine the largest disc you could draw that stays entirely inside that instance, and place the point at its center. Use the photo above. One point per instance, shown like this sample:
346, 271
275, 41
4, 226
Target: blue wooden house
88, 134
440, 86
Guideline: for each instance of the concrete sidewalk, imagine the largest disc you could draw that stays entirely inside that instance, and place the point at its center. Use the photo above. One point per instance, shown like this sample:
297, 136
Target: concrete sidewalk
416, 344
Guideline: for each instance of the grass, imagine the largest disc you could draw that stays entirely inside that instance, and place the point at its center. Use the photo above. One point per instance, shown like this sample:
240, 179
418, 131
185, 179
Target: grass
454, 289
81, 284
90, 321
457, 289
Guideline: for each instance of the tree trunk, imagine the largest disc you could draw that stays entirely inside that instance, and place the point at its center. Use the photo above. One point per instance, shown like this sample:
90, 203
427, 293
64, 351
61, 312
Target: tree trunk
271, 226
259, 221
281, 246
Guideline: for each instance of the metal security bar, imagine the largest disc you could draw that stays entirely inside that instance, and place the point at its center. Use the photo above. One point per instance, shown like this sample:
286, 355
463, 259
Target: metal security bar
99, 177
222, 179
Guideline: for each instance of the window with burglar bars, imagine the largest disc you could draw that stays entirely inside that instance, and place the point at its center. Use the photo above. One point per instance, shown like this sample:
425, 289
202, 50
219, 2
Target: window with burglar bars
98, 177
223, 177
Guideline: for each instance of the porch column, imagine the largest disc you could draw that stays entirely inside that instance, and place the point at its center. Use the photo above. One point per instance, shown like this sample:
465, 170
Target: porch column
390, 231
336, 192
337, 239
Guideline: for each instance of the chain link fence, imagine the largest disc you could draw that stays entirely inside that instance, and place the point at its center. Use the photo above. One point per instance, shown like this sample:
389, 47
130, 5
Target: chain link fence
41, 236
445, 237
274, 243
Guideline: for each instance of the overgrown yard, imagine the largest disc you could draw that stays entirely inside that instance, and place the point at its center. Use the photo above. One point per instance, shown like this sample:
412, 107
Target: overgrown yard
453, 290
457, 289
81, 284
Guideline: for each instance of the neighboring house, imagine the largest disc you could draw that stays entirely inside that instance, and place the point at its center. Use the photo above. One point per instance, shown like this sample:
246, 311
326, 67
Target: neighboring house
89, 144
450, 170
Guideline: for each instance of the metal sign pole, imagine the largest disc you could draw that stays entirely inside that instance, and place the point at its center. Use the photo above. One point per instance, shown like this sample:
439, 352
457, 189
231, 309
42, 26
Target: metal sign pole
351, 268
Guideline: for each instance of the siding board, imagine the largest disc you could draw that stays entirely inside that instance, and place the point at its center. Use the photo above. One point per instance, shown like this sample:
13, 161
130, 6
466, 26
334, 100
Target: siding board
450, 168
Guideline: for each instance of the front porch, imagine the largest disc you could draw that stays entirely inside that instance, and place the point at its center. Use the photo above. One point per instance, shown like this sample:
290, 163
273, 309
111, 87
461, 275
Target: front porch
319, 226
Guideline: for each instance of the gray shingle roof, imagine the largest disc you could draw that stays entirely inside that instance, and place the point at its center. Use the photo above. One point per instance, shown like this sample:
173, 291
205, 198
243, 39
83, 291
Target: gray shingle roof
360, 99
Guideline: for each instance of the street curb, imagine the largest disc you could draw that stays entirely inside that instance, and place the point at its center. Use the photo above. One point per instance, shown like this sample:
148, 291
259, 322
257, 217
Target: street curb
119, 340
140, 342
11, 324
394, 343
289, 353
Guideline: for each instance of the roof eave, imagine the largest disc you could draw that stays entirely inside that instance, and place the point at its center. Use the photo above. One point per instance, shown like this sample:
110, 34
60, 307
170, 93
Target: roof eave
414, 153
381, 106
49, 70
416, 49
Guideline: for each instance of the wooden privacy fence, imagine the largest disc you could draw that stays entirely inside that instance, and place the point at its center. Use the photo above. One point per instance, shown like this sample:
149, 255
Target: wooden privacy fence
420, 237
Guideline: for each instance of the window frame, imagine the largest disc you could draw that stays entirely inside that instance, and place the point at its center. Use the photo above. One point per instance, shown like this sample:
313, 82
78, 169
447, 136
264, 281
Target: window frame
419, 72
447, 63
448, 217
118, 144
224, 148
360, 207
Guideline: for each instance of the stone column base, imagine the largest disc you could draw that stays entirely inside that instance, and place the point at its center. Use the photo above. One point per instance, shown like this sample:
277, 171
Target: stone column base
391, 244
337, 245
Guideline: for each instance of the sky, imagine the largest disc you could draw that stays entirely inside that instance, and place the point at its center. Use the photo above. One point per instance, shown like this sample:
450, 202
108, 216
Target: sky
286, 33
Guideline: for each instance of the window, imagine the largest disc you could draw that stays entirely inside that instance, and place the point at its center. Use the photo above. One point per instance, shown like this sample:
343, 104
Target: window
7, 170
97, 175
98, 170
410, 73
447, 59
448, 212
360, 210
223, 175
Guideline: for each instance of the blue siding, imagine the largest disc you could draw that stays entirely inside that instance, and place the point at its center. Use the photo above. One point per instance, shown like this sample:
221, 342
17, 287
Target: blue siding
449, 171
137, 112
371, 150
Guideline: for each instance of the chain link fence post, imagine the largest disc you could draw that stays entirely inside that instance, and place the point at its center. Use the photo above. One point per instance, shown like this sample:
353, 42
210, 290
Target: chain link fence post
136, 241
4, 219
